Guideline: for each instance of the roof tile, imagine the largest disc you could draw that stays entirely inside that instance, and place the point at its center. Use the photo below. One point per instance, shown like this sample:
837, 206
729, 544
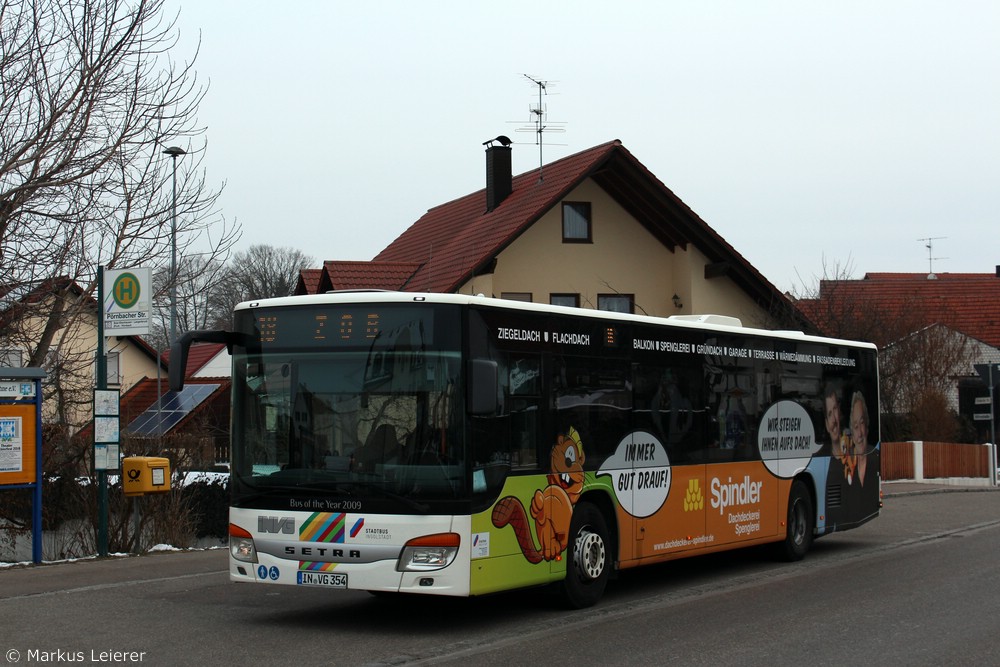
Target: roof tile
965, 302
451, 247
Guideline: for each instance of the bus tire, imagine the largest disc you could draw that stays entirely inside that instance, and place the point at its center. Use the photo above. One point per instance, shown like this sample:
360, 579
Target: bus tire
588, 557
801, 520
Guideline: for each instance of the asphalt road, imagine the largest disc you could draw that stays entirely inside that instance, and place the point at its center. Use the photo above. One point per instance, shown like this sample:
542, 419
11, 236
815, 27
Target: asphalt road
918, 586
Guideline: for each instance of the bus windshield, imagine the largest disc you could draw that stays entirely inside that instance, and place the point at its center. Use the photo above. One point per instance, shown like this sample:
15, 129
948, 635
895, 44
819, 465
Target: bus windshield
370, 420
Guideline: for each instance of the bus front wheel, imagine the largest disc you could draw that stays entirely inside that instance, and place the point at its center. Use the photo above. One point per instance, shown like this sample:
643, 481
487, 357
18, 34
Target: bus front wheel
801, 518
588, 565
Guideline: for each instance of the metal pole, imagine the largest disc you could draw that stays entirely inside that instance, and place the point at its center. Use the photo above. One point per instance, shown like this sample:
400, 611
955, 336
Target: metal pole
173, 257
993, 434
174, 152
36, 519
102, 383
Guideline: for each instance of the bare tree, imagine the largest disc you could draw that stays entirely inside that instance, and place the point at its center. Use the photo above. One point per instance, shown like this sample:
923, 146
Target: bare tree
921, 358
199, 279
259, 272
90, 96
919, 371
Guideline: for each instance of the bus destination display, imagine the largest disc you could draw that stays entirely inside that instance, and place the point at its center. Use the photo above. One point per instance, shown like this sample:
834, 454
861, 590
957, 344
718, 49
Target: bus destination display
319, 326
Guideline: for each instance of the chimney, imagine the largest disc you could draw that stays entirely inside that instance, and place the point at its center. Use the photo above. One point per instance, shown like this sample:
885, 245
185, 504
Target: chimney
499, 180
998, 270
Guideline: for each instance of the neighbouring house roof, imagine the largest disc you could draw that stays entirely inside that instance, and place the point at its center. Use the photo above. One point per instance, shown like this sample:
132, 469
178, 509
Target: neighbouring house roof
15, 300
144, 394
345, 275
200, 397
198, 356
309, 281
455, 241
965, 302
141, 344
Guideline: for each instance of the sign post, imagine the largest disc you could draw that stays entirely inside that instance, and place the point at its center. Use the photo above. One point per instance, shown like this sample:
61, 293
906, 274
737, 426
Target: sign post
102, 385
126, 310
990, 374
21, 441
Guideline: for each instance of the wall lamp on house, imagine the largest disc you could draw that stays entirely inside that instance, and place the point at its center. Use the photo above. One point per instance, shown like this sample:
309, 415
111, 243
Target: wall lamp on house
677, 301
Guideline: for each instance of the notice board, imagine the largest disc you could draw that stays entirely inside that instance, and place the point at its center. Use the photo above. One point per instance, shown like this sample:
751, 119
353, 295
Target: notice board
17, 444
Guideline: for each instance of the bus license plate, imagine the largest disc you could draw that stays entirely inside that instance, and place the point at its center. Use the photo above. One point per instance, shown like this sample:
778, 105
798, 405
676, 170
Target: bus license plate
328, 579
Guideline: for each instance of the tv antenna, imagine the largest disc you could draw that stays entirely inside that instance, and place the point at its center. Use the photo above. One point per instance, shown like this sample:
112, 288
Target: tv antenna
929, 244
539, 116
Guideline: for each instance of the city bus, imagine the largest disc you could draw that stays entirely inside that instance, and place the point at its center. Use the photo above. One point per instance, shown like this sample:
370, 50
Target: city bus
460, 445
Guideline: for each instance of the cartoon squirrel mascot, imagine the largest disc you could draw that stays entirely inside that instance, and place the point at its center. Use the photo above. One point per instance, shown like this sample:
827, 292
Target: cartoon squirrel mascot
551, 507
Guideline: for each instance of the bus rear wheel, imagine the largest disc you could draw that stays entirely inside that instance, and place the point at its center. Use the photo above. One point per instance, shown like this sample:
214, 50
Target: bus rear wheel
588, 565
801, 518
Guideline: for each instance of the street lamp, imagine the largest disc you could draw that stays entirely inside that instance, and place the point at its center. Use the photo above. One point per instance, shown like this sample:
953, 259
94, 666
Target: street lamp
174, 152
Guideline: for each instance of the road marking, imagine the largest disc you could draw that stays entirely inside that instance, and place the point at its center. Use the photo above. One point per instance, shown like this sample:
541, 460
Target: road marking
115, 584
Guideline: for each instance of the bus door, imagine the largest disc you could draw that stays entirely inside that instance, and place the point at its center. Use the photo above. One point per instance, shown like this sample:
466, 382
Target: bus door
742, 488
591, 437
668, 490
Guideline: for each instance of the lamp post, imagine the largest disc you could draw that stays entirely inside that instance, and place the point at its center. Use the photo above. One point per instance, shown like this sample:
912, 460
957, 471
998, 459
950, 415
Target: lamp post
174, 152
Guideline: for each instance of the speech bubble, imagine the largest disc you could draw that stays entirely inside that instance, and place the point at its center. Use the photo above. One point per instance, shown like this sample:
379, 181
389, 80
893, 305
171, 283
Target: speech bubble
640, 473
786, 439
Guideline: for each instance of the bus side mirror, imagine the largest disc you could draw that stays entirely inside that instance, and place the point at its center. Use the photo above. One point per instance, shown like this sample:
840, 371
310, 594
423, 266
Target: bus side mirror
482, 388
182, 345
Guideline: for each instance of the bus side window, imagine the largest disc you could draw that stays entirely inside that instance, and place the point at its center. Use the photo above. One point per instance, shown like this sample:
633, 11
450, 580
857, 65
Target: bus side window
509, 439
669, 404
594, 397
525, 386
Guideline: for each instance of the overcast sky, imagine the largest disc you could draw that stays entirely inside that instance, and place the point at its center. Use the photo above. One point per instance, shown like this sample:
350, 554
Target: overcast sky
813, 136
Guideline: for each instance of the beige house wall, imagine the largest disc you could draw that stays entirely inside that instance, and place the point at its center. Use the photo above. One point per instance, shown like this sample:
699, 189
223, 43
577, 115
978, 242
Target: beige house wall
720, 296
134, 364
76, 346
623, 258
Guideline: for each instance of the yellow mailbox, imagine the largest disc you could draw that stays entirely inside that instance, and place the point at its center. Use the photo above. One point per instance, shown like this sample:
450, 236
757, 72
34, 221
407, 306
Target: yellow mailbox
145, 474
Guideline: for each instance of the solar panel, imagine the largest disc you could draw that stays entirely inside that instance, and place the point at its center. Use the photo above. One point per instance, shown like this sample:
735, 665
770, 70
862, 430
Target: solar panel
170, 409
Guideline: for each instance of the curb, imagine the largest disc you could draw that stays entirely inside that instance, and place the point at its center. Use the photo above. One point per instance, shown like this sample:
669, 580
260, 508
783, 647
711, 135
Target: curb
917, 489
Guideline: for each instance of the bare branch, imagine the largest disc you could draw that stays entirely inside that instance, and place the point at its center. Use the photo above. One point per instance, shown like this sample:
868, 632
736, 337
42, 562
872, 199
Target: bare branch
91, 94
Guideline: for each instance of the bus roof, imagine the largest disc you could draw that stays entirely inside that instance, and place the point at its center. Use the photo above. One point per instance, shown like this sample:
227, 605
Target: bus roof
711, 322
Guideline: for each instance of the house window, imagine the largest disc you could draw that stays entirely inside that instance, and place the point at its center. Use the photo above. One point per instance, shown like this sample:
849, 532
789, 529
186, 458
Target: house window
516, 296
114, 368
11, 357
576, 222
572, 300
616, 303
51, 362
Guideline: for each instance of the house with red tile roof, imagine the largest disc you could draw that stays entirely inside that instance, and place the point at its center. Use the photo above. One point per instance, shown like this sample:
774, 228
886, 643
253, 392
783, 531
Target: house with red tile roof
192, 425
27, 318
939, 325
206, 360
966, 302
596, 229
132, 368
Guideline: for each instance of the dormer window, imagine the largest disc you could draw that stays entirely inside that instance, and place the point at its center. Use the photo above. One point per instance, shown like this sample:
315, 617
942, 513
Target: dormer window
576, 227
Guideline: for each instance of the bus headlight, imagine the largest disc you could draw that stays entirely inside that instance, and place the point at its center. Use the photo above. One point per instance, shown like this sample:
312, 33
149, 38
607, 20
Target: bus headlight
241, 545
430, 552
